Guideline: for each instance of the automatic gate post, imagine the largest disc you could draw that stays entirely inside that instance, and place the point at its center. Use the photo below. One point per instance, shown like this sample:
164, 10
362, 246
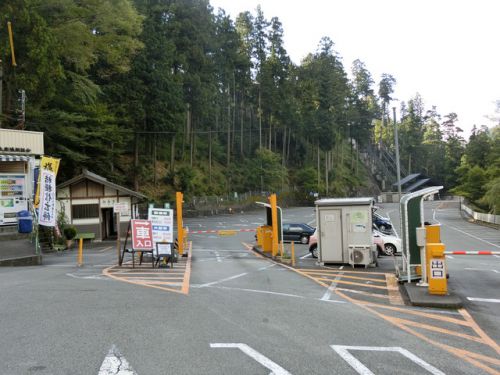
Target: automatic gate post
274, 215
180, 229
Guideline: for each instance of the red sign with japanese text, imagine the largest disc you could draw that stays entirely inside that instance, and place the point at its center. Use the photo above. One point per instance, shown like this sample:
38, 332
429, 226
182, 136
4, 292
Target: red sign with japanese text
142, 234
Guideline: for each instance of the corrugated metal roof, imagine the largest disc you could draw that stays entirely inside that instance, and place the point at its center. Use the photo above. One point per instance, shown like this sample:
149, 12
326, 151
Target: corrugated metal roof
407, 179
417, 184
4, 157
100, 180
344, 201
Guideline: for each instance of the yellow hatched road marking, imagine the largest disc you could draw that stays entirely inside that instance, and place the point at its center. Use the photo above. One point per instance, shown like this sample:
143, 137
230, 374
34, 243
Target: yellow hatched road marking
313, 271
475, 359
392, 286
179, 275
145, 278
460, 353
356, 278
377, 295
352, 283
430, 327
479, 331
420, 313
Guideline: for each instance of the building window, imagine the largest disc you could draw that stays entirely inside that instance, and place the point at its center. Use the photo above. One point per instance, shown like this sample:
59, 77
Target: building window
85, 211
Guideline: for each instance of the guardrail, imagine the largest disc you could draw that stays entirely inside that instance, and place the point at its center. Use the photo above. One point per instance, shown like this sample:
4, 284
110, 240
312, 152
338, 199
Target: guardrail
487, 218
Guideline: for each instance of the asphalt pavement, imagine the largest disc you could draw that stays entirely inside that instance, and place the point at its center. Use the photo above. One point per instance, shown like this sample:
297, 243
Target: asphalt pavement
241, 313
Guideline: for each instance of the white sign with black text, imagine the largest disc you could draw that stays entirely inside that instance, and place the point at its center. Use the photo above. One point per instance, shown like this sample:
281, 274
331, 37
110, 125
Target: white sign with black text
162, 220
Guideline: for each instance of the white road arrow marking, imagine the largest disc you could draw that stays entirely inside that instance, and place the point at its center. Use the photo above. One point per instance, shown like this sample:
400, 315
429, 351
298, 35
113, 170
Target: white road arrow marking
263, 360
115, 364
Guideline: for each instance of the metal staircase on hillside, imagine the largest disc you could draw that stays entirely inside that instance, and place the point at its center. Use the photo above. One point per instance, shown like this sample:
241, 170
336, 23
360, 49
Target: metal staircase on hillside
382, 164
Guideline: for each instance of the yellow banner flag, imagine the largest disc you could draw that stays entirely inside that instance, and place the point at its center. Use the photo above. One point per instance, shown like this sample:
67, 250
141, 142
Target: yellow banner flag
49, 164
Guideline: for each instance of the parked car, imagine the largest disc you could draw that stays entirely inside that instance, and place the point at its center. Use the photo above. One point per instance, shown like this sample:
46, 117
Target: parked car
313, 244
383, 224
386, 244
297, 232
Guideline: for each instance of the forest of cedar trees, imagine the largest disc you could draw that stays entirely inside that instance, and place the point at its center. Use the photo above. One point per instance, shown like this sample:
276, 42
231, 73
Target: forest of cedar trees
166, 95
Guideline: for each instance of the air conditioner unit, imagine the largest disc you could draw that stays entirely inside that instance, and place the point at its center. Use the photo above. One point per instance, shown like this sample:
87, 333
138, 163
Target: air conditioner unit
361, 255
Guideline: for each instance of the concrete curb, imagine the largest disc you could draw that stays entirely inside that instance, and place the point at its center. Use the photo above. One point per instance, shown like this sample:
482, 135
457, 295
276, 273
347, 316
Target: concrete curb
419, 296
31, 260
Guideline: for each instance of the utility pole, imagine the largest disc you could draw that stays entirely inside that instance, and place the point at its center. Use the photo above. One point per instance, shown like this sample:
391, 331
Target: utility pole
396, 141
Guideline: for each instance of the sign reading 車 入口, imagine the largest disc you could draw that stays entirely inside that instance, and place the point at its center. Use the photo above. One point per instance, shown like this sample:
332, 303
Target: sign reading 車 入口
142, 234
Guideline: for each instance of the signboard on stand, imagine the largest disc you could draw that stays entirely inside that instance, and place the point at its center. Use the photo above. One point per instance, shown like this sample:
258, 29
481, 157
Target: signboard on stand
142, 234
162, 220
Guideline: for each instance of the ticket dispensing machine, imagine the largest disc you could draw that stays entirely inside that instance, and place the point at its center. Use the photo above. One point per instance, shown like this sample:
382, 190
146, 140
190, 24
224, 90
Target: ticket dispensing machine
266, 233
435, 261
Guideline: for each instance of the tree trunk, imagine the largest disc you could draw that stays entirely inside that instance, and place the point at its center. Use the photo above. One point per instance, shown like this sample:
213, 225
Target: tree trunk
154, 160
136, 162
172, 154
228, 157
288, 146
319, 173
283, 148
210, 157
270, 133
241, 127
187, 132
259, 113
327, 159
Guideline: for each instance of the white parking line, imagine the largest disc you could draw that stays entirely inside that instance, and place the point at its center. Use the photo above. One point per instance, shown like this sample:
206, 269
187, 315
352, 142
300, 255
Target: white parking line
252, 353
481, 269
223, 280
489, 300
468, 234
305, 256
331, 288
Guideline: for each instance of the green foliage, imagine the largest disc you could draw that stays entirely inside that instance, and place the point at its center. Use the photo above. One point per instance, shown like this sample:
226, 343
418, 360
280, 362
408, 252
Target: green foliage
69, 232
168, 95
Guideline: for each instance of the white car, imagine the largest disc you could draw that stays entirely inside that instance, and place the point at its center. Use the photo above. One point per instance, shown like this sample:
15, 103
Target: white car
387, 244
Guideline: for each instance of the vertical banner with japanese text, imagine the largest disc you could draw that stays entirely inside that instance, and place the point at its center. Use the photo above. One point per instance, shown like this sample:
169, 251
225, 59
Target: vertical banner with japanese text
47, 198
47, 163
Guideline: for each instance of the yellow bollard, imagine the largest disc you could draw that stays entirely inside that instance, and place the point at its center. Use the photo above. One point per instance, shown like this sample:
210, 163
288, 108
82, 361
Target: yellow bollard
293, 254
80, 253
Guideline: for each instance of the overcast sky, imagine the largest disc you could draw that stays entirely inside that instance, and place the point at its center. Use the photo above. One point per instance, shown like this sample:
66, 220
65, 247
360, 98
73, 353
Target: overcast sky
448, 51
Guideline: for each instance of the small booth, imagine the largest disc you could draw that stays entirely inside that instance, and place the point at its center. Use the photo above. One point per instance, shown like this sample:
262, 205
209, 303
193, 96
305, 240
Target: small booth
88, 201
344, 228
18, 152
